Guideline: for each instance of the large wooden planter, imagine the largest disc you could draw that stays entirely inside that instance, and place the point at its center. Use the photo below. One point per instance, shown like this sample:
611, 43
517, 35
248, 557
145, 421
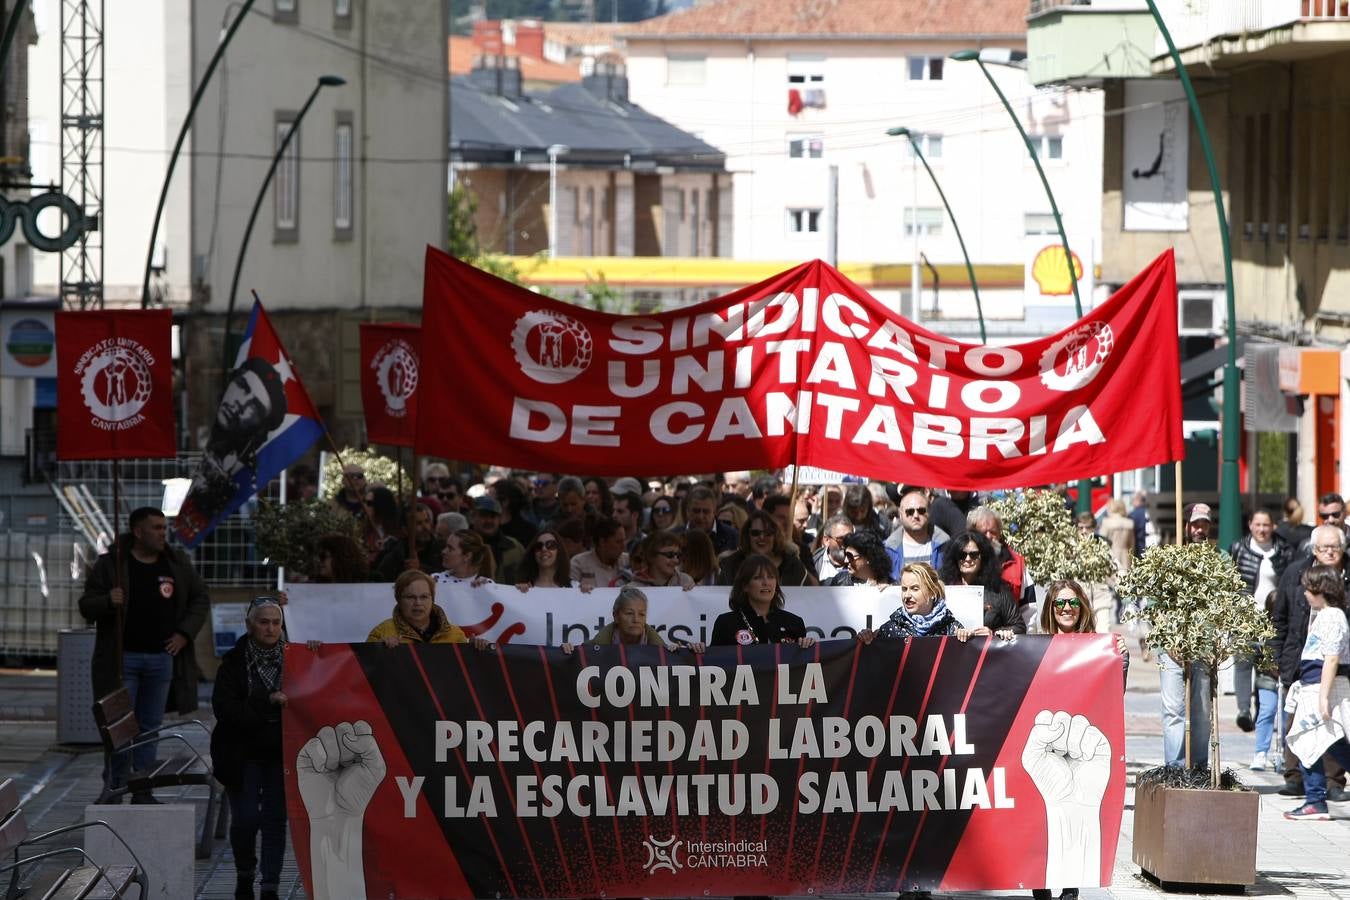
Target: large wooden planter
1188, 837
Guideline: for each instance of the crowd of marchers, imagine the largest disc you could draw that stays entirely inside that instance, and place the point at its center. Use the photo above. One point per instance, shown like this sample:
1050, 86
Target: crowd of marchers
539, 529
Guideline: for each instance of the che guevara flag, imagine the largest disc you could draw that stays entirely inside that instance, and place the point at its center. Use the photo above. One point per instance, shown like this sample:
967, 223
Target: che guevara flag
264, 423
114, 384
390, 355
806, 368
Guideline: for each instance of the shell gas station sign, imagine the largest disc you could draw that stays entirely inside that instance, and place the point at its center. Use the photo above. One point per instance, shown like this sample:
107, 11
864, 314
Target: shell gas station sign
1048, 277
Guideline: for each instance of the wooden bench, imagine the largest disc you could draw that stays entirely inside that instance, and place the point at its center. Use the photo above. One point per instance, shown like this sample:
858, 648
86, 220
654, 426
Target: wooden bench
120, 733
85, 882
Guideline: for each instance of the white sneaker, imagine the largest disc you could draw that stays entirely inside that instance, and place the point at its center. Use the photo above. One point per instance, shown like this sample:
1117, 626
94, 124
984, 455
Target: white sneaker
1259, 762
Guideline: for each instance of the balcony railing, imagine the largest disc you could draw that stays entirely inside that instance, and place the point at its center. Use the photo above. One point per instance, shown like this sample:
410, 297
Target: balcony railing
1193, 23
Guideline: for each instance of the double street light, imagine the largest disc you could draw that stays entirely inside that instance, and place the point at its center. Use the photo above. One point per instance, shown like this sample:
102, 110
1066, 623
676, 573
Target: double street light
1017, 59
901, 131
323, 82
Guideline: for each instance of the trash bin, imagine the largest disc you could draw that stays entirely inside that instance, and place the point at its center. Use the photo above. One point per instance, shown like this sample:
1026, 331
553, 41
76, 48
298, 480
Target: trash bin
74, 687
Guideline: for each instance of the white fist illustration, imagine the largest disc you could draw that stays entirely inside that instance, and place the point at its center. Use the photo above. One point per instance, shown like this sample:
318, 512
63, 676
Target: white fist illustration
1069, 761
337, 772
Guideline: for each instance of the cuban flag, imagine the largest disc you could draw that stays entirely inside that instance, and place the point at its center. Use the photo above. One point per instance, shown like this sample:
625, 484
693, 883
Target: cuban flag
265, 422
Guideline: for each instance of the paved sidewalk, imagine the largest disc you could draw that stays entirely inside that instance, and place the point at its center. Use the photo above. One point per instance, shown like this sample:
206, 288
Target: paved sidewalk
1295, 859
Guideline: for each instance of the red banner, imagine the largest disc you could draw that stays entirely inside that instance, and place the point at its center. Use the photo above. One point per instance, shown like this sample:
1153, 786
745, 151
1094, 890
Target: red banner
390, 355
444, 771
114, 384
805, 367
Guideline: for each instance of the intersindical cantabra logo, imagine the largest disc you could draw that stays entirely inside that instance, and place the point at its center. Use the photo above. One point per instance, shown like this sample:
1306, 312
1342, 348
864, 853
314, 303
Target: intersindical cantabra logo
672, 854
115, 382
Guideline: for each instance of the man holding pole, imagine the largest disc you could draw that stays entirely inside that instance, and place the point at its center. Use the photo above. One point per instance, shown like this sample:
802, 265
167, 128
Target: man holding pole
145, 631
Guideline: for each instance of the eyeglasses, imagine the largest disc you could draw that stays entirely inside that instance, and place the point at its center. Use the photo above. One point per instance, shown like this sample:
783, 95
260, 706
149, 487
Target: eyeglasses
440, 479
1333, 514
916, 511
759, 533
851, 558
1326, 548
263, 601
358, 476
1067, 603
971, 554
546, 545
543, 482
661, 510
669, 554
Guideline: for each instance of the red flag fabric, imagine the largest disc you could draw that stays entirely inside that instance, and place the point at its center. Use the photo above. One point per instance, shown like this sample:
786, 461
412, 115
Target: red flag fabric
114, 384
803, 368
390, 355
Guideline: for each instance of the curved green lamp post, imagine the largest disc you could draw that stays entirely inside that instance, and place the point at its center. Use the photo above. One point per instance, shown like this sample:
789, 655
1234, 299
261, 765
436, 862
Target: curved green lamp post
901, 131
1017, 59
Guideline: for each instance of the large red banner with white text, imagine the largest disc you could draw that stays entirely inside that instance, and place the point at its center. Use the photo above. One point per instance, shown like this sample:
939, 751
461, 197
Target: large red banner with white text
114, 384
389, 373
929, 764
803, 368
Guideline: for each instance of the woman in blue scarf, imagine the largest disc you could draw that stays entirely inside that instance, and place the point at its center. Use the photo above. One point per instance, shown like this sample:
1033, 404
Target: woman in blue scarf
923, 607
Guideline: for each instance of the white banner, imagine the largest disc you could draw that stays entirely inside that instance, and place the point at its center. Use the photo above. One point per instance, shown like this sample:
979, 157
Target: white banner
1155, 159
345, 613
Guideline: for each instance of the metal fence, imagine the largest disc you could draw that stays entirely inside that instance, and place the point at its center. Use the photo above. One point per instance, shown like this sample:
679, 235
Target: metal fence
43, 573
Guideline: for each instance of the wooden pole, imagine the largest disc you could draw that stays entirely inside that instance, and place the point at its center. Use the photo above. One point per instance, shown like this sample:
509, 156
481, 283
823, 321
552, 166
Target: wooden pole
121, 609
1181, 526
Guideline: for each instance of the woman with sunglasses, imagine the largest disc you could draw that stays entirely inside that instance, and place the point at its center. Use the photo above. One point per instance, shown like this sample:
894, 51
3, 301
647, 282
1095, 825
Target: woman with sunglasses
865, 562
656, 563
969, 559
761, 536
663, 514
757, 615
546, 563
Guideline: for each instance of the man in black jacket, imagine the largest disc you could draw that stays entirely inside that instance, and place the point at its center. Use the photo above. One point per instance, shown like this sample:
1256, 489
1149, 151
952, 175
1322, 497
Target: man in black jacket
1261, 558
1291, 613
149, 609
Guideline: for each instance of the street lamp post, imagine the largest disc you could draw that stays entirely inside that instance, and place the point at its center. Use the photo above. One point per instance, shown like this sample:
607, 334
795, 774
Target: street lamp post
323, 82
901, 131
182, 135
554, 151
1230, 514
1017, 59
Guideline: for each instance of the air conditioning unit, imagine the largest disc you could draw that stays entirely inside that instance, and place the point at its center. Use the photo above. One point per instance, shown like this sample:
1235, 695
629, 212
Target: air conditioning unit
1200, 311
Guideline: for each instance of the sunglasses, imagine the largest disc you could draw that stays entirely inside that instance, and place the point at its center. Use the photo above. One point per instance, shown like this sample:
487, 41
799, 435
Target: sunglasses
851, 558
1337, 514
669, 554
543, 482
661, 510
759, 533
1067, 603
546, 545
358, 476
971, 554
917, 511
263, 601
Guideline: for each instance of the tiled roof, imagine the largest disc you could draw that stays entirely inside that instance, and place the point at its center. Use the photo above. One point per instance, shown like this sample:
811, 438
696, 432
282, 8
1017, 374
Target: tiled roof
463, 52
576, 34
735, 19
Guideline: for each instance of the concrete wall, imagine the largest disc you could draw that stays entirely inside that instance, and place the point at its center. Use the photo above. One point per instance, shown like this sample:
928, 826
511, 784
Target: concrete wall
741, 108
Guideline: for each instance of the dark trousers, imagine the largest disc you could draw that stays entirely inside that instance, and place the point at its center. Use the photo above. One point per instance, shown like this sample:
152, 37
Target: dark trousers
258, 803
147, 678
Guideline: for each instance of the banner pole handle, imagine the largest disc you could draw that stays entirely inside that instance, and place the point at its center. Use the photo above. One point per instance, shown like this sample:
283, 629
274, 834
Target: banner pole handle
117, 561
281, 570
1181, 526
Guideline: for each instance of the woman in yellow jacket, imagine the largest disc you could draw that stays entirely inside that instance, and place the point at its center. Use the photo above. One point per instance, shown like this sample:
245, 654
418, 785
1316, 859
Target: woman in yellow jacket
416, 619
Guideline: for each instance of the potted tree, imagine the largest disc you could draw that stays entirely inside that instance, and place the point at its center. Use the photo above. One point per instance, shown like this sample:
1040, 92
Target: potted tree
1195, 826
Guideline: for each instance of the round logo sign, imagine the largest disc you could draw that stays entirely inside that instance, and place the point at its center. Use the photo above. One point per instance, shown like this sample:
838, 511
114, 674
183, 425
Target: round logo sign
1075, 359
550, 347
115, 382
30, 342
396, 374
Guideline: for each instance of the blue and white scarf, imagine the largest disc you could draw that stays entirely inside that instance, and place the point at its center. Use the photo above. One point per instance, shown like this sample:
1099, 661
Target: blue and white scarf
919, 626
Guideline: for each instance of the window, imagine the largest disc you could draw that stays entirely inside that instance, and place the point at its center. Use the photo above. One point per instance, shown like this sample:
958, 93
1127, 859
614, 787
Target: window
926, 68
803, 221
342, 177
1040, 223
806, 146
286, 11
930, 144
686, 69
1048, 146
286, 188
929, 221
342, 13
806, 70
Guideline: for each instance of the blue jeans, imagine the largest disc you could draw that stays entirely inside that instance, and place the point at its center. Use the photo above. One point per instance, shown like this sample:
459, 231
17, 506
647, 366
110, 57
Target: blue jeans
259, 804
1315, 776
1266, 702
1174, 714
147, 678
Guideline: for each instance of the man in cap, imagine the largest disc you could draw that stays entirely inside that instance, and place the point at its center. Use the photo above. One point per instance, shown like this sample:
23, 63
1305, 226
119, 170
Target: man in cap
486, 519
1199, 524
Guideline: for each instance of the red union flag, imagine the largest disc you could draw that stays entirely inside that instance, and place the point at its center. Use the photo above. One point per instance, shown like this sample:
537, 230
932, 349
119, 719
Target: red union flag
114, 384
803, 368
389, 372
